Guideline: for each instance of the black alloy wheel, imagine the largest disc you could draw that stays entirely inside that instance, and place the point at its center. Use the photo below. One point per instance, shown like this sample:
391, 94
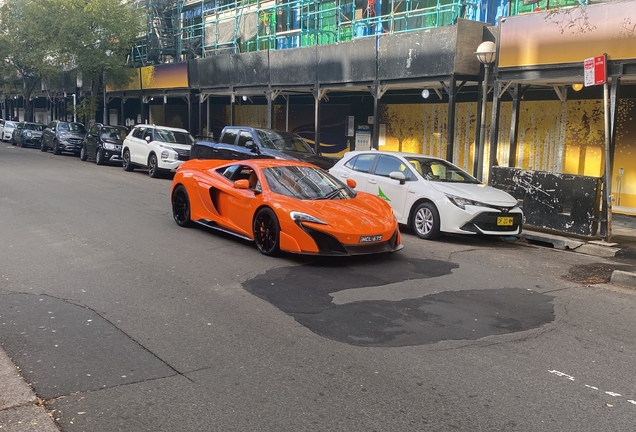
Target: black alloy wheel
56, 148
267, 232
99, 157
426, 221
181, 206
153, 169
83, 155
126, 164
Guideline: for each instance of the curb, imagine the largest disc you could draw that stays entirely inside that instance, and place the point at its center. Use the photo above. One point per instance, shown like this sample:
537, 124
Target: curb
19, 408
623, 278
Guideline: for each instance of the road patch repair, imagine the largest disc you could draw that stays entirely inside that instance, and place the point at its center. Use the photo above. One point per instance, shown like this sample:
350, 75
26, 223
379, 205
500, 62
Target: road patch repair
304, 292
63, 348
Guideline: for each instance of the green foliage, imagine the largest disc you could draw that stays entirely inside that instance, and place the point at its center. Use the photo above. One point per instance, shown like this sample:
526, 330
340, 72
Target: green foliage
40, 39
85, 109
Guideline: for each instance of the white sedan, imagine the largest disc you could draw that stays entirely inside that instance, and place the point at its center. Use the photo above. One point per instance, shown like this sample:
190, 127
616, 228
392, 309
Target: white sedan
430, 194
7, 131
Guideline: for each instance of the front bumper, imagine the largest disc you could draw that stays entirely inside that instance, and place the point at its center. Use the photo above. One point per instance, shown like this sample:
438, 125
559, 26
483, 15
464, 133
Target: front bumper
329, 245
71, 146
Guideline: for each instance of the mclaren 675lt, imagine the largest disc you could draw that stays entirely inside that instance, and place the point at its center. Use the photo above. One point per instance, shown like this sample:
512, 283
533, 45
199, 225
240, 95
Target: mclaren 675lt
283, 205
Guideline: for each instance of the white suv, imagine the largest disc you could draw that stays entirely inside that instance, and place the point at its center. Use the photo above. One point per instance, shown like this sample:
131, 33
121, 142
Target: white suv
158, 148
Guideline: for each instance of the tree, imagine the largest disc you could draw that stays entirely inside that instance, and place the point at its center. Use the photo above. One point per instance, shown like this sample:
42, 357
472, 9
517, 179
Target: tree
25, 41
97, 37
41, 39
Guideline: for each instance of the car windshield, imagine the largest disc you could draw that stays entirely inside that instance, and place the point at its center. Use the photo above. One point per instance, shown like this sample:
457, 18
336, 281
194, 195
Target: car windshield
284, 141
34, 127
175, 137
72, 127
437, 170
305, 183
113, 133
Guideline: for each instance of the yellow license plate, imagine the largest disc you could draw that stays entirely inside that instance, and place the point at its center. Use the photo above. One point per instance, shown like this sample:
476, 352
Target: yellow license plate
504, 221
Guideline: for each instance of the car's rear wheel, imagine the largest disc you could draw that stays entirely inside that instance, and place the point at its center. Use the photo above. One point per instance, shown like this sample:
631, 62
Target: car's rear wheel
153, 169
181, 206
99, 157
426, 221
43, 148
126, 164
56, 148
267, 232
83, 155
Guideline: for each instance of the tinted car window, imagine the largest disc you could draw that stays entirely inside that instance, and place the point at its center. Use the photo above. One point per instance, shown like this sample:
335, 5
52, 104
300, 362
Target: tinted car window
113, 133
138, 133
228, 172
284, 141
388, 164
176, 137
305, 183
244, 137
361, 163
76, 127
34, 127
229, 137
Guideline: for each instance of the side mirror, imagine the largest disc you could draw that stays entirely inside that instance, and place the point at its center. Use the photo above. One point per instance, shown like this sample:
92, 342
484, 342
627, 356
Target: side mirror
147, 139
397, 175
252, 146
242, 184
351, 183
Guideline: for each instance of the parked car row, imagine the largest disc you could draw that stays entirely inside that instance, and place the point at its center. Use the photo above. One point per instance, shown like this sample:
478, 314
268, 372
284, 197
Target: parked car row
270, 187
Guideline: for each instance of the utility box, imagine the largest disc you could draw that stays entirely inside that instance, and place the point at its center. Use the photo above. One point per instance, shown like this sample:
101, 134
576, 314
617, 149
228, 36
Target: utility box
559, 202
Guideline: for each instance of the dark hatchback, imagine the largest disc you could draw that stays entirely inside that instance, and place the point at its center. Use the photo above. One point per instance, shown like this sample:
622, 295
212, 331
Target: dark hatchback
240, 142
27, 134
63, 136
103, 143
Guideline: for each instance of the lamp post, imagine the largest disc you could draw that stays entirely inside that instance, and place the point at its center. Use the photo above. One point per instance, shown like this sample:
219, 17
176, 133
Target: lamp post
486, 55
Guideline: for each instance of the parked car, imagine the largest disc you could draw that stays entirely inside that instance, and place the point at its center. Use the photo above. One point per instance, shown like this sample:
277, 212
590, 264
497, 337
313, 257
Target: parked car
158, 148
432, 195
7, 130
283, 205
27, 134
63, 136
1, 129
103, 143
240, 142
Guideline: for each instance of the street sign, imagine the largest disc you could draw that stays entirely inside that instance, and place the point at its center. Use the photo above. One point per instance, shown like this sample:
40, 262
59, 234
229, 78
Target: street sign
595, 70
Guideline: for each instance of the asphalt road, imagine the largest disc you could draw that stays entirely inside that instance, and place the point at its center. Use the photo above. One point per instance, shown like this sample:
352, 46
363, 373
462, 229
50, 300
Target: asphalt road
123, 321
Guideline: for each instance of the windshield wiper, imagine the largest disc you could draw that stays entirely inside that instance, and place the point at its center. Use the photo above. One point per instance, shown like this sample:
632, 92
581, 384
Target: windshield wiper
334, 193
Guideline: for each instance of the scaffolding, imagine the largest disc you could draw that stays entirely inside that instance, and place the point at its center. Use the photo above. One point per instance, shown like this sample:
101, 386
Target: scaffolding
180, 30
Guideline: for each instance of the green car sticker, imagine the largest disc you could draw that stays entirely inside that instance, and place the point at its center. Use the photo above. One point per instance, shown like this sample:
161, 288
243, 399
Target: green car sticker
381, 194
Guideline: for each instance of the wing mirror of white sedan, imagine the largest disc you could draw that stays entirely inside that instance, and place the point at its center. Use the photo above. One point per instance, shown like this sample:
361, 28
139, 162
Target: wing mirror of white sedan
397, 175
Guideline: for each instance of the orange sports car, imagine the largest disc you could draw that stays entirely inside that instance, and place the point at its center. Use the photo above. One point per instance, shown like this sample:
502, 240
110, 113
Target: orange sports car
283, 205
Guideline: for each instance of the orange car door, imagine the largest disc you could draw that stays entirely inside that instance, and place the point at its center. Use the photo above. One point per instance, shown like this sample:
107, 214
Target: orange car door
236, 207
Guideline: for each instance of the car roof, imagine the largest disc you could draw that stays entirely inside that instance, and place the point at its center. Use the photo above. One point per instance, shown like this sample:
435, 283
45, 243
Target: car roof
402, 154
161, 127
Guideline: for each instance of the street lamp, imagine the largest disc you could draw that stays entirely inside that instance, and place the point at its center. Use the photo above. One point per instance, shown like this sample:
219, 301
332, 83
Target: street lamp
485, 53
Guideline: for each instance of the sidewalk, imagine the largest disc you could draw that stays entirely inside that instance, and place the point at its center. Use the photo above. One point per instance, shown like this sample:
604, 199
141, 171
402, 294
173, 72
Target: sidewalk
622, 246
19, 407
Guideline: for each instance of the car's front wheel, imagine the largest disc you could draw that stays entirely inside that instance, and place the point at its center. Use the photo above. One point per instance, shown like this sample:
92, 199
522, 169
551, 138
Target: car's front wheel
126, 164
153, 169
56, 148
83, 155
43, 148
181, 206
426, 221
99, 157
267, 232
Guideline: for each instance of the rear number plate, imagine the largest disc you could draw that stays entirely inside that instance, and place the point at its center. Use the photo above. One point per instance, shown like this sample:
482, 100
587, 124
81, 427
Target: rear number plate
367, 239
504, 221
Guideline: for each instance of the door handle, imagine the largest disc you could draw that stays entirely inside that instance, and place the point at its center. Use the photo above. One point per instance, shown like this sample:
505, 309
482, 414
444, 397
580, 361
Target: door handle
343, 175
373, 181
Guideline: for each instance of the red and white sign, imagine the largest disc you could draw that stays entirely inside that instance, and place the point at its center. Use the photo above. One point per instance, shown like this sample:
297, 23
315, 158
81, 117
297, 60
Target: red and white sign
595, 70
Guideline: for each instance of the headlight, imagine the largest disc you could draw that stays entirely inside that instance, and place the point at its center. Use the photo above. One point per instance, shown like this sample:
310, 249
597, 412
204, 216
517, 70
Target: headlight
304, 217
463, 202
109, 146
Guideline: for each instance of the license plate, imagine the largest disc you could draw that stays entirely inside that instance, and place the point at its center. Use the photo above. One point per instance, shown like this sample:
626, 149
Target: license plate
367, 239
504, 221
